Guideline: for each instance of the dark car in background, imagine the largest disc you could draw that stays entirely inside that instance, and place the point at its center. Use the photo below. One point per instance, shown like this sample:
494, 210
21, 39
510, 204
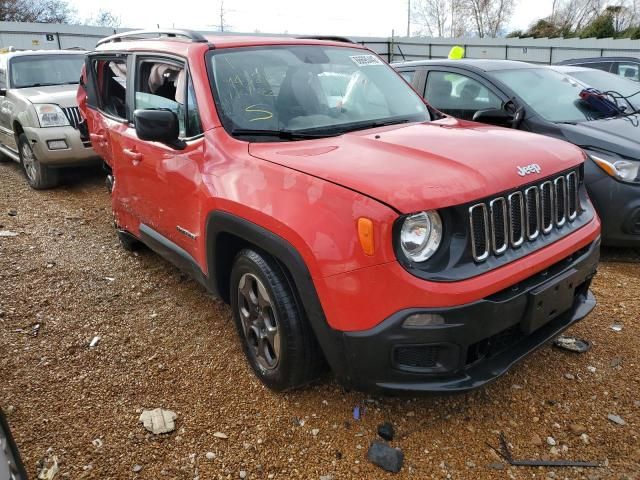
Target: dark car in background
627, 67
11, 467
626, 91
538, 99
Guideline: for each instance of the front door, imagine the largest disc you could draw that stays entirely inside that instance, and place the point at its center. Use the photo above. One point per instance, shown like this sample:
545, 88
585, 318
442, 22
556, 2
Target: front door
161, 181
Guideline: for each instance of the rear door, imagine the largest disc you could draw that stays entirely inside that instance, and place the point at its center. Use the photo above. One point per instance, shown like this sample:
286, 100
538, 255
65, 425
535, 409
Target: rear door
106, 107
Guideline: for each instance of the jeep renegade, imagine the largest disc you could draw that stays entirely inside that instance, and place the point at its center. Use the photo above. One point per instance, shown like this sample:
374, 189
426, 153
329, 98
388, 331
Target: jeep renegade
343, 219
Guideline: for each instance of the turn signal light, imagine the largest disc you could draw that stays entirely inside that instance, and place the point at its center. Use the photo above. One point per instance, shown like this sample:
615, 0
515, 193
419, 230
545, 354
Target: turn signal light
365, 234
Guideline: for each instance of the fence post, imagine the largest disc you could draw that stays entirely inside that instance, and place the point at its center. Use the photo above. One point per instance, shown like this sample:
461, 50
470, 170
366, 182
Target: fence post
550, 55
506, 52
58, 38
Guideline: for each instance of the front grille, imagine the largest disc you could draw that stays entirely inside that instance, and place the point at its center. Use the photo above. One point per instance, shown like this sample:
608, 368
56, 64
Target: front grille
506, 222
73, 115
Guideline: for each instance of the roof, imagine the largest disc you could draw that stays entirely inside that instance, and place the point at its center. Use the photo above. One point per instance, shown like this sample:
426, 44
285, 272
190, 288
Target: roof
28, 53
571, 68
177, 44
478, 64
598, 59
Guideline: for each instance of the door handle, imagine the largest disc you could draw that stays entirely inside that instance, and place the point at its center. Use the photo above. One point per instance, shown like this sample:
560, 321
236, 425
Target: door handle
97, 138
132, 154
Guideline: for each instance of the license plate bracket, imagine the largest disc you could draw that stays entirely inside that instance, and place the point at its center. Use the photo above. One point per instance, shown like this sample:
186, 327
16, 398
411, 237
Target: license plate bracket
549, 300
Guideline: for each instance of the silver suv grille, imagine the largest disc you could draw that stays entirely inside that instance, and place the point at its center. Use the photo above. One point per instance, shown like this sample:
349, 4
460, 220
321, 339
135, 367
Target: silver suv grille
73, 115
507, 222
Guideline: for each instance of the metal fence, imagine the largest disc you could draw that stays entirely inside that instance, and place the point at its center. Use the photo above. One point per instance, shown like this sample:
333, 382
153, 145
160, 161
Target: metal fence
542, 50
38, 36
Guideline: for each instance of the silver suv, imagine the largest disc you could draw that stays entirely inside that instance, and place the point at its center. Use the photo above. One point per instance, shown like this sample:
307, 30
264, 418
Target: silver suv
40, 123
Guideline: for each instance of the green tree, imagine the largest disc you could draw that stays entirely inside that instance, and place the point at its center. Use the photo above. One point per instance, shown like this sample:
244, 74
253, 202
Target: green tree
600, 27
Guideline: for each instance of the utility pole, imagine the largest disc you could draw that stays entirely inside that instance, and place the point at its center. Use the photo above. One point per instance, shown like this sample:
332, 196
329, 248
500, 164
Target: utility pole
408, 18
222, 16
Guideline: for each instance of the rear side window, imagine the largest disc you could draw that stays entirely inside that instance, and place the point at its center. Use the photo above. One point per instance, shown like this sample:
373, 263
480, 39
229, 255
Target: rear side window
166, 85
408, 75
111, 86
628, 70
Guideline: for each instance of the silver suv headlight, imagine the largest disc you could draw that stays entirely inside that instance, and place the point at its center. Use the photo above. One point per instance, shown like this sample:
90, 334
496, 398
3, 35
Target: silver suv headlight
50, 115
616, 167
420, 235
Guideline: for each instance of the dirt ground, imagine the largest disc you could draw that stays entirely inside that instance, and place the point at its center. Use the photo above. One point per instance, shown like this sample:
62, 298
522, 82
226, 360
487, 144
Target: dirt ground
164, 343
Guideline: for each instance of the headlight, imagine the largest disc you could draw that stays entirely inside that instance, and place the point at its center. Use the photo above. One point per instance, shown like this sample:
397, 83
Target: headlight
50, 115
622, 169
420, 235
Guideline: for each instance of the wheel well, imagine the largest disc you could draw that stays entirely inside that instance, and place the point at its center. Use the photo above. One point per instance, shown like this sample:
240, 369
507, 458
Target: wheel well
227, 247
17, 130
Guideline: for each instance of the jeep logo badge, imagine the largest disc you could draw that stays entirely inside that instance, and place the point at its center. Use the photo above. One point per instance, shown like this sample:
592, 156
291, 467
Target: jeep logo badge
533, 168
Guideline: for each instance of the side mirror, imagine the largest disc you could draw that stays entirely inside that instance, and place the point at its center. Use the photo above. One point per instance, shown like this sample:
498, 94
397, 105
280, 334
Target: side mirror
158, 126
494, 116
3, 92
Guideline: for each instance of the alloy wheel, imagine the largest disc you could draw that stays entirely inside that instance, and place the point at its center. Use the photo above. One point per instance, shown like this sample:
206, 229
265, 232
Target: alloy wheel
29, 162
259, 321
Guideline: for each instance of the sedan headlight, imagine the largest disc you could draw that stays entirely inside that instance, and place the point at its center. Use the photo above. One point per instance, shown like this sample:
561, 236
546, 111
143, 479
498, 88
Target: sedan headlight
622, 169
50, 115
420, 235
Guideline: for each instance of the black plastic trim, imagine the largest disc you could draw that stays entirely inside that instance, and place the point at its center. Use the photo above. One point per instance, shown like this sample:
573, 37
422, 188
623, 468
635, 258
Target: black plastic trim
370, 351
330, 340
173, 253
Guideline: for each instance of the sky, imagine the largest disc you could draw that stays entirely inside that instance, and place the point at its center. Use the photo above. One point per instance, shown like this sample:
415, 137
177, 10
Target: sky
327, 17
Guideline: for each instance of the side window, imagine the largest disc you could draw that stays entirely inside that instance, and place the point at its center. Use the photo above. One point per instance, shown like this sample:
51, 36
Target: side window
408, 75
161, 84
165, 84
111, 86
458, 95
627, 70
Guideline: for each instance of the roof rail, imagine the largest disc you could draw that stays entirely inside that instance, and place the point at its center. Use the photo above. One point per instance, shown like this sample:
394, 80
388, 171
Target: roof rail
331, 38
137, 34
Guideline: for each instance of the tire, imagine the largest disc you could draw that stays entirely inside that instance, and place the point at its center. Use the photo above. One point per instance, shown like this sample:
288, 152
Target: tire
128, 241
38, 176
265, 306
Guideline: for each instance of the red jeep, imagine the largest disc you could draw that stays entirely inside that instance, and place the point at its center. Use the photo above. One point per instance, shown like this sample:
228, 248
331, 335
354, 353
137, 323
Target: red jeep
345, 221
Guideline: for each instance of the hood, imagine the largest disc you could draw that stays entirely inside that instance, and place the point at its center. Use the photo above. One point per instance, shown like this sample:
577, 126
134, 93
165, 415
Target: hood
63, 95
618, 135
427, 165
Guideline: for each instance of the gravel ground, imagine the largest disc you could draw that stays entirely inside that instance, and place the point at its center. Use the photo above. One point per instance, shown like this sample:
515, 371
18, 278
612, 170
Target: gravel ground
165, 343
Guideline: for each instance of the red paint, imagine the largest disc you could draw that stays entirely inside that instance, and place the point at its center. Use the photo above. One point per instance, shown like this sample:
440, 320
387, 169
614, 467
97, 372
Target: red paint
313, 192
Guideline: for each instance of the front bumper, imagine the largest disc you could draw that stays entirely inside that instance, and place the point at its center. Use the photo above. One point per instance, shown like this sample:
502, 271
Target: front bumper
479, 341
77, 151
617, 204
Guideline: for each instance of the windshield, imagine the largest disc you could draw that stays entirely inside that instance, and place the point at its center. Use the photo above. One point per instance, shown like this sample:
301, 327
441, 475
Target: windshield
553, 95
608, 82
315, 90
42, 70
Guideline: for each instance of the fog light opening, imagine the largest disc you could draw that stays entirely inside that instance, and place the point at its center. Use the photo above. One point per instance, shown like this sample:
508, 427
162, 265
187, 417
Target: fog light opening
418, 320
57, 144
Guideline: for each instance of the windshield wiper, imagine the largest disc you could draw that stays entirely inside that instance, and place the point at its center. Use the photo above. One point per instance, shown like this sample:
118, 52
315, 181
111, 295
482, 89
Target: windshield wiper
374, 124
283, 134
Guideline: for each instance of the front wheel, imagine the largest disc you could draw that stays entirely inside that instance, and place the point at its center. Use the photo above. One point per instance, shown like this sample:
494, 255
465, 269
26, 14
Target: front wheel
276, 336
38, 176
